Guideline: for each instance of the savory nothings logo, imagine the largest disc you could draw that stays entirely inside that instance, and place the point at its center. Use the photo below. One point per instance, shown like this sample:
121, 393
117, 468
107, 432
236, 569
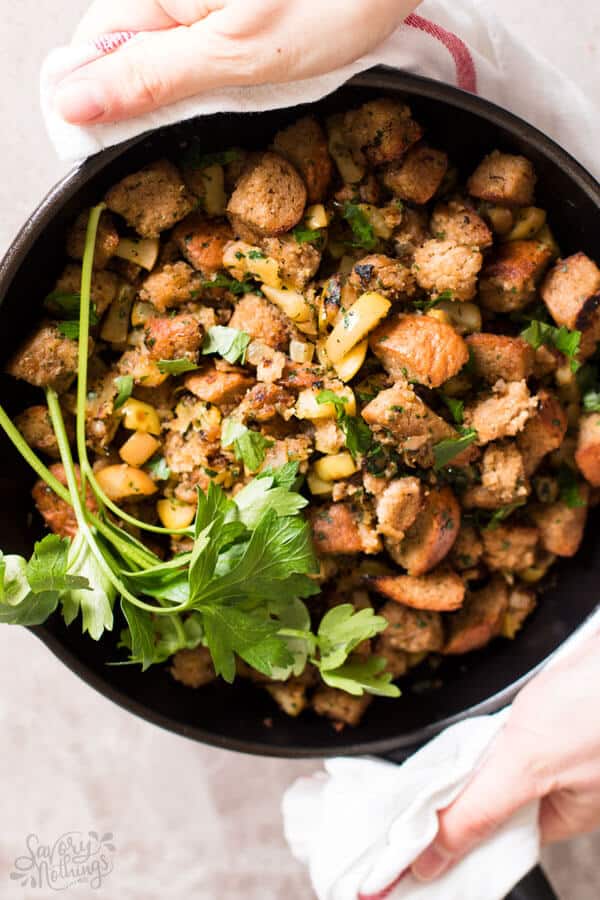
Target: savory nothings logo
76, 857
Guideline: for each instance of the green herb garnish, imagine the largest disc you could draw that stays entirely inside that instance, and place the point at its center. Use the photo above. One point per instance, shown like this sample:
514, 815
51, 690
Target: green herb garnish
230, 343
455, 406
307, 235
124, 385
591, 401
446, 450
65, 307
364, 236
158, 468
248, 446
501, 514
538, 333
426, 305
176, 366
230, 284
569, 488
357, 434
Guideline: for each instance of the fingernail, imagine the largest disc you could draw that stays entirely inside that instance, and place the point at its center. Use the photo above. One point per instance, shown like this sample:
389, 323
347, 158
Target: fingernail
79, 100
432, 863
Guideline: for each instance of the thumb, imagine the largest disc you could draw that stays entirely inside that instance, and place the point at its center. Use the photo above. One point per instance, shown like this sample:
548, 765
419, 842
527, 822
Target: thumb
497, 790
152, 70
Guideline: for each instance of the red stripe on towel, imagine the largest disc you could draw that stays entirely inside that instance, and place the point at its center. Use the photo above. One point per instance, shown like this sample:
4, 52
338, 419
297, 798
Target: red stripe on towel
106, 43
466, 76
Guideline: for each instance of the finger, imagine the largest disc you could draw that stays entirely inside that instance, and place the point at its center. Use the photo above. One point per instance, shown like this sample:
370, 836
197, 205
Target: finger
186, 12
106, 16
150, 71
494, 794
567, 813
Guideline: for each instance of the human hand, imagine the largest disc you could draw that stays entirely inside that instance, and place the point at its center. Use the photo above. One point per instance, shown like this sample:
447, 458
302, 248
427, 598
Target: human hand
548, 750
196, 45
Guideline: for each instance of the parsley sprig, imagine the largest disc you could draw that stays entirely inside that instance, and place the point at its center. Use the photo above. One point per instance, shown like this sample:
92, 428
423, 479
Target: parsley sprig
541, 333
362, 230
357, 434
239, 591
445, 451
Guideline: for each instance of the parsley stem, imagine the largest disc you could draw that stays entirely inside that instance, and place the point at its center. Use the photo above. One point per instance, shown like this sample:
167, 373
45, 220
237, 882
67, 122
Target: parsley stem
125, 516
81, 513
44, 472
84, 334
87, 473
13, 433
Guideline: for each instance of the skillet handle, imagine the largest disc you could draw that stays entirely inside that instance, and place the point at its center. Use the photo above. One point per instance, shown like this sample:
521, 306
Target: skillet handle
534, 886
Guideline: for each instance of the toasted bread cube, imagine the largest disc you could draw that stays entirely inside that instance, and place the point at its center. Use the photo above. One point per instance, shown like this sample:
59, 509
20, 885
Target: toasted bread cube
503, 178
502, 413
46, 359
414, 631
432, 534
521, 603
107, 238
440, 591
338, 528
509, 280
571, 291
57, 513
509, 548
479, 620
399, 410
503, 479
544, 431
456, 221
383, 274
194, 668
202, 242
215, 386
152, 199
497, 356
269, 197
261, 320
467, 549
418, 176
35, 426
305, 145
173, 337
442, 266
171, 285
289, 695
104, 288
587, 455
297, 263
561, 526
397, 507
420, 348
342, 708
381, 131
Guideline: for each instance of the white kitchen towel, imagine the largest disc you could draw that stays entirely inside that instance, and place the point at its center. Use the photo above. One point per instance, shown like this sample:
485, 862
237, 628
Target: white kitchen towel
463, 43
360, 825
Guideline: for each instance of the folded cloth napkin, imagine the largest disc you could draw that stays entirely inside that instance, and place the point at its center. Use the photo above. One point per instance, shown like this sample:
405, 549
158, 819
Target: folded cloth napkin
462, 43
361, 824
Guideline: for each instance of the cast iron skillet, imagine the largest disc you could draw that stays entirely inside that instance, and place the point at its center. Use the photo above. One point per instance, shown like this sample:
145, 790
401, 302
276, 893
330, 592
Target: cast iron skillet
241, 717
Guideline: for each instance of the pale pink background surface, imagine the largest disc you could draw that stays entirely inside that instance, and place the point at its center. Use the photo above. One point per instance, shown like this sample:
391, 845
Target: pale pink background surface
189, 821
